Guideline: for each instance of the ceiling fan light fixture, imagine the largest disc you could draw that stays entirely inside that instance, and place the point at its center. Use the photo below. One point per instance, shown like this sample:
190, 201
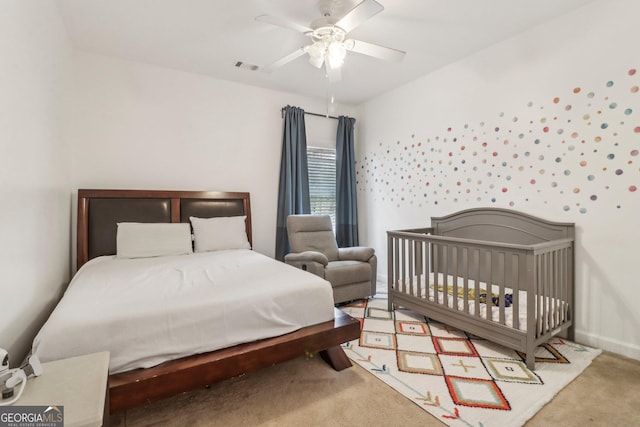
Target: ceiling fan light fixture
316, 53
336, 53
316, 61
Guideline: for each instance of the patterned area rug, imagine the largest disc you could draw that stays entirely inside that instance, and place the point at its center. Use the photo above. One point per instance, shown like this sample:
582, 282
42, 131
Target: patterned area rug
460, 379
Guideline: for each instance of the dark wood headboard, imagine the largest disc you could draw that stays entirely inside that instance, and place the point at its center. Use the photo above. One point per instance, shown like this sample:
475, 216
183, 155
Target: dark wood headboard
99, 211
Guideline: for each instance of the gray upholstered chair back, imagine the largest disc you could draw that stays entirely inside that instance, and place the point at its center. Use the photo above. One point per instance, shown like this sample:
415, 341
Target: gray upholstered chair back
312, 233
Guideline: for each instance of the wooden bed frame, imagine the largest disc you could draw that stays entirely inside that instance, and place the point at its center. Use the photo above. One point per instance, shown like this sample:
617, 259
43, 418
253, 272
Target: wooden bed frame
510, 250
98, 213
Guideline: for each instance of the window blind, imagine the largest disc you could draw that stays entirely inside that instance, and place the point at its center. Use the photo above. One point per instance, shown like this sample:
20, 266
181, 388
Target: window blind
322, 181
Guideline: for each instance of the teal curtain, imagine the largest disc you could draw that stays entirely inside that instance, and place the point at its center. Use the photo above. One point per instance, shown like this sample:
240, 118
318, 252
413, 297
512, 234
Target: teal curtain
346, 204
293, 190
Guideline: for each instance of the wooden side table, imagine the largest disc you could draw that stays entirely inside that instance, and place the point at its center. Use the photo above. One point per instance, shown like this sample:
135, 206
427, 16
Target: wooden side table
79, 384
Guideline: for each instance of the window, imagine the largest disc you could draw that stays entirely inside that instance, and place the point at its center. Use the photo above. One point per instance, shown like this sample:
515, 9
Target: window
322, 181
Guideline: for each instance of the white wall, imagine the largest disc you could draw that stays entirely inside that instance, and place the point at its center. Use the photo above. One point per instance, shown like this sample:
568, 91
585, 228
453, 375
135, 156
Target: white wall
473, 134
140, 126
34, 185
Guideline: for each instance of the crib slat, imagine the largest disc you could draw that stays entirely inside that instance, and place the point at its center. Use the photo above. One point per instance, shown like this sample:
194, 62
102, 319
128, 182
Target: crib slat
427, 270
417, 267
476, 295
554, 289
515, 290
454, 270
465, 279
487, 282
565, 295
502, 275
409, 261
436, 272
547, 291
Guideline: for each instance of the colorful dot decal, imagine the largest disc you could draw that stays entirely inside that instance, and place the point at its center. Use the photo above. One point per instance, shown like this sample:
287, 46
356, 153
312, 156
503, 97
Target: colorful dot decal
578, 146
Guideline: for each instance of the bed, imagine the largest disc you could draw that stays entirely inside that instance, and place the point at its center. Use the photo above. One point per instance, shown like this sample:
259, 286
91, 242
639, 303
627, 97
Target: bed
101, 305
496, 273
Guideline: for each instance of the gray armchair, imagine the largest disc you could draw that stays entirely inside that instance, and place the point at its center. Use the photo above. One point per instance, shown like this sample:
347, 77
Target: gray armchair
351, 271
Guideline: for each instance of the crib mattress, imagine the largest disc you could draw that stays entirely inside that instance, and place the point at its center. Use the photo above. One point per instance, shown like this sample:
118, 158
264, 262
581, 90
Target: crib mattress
436, 294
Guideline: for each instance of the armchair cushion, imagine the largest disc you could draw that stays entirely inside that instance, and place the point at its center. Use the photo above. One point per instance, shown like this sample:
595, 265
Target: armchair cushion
355, 253
341, 273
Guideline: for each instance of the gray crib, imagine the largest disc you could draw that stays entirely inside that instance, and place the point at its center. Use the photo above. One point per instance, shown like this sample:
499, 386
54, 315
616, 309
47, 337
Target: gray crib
499, 274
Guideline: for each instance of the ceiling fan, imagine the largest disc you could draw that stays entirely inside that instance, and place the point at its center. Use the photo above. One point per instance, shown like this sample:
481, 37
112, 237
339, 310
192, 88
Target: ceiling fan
328, 35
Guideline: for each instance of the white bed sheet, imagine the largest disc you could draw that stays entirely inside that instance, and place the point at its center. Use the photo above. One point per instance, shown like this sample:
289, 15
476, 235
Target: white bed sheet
149, 310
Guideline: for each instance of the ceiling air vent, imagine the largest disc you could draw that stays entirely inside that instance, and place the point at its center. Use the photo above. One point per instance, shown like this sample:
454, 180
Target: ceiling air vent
252, 67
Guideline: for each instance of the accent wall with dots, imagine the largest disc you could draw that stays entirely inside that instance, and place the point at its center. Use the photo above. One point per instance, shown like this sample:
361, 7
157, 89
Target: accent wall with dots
539, 154
546, 123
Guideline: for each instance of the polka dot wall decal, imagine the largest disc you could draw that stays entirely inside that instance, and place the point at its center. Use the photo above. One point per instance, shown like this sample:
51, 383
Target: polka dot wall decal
632, 71
398, 168
594, 197
609, 83
634, 89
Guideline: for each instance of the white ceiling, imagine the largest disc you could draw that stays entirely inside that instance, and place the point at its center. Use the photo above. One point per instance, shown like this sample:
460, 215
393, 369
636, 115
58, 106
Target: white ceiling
209, 36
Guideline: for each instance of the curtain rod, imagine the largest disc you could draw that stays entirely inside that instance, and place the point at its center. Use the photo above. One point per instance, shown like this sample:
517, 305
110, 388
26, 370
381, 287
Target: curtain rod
326, 116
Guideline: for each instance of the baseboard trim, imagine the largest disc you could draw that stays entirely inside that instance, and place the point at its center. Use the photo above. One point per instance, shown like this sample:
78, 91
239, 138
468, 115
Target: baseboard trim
608, 344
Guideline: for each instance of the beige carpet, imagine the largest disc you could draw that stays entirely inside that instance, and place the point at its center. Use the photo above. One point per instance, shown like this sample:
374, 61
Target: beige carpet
309, 393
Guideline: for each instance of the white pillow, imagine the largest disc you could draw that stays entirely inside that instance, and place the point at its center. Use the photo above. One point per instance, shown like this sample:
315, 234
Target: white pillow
141, 240
214, 234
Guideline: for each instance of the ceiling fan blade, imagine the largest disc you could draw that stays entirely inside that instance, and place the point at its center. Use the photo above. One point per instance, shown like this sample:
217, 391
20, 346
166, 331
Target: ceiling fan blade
284, 60
273, 20
333, 74
377, 51
356, 16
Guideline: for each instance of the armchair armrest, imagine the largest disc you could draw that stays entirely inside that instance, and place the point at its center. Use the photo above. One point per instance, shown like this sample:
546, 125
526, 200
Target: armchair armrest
306, 256
311, 261
356, 253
